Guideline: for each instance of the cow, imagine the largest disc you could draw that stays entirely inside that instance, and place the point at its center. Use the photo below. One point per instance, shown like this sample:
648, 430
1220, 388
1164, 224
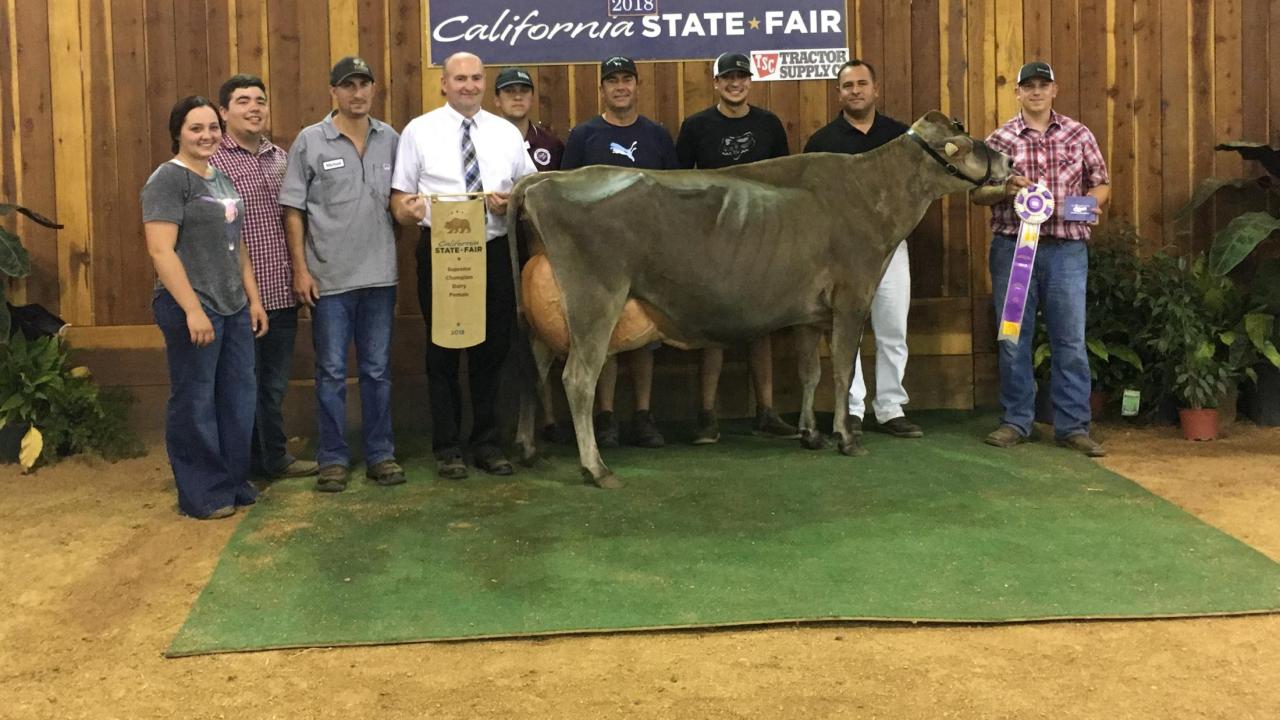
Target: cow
714, 257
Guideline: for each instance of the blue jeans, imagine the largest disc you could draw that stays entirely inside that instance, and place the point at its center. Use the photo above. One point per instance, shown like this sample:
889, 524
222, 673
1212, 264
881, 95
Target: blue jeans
366, 315
274, 354
1058, 283
210, 414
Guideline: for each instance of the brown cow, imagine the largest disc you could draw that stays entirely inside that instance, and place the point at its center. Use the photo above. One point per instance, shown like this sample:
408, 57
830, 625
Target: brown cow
715, 257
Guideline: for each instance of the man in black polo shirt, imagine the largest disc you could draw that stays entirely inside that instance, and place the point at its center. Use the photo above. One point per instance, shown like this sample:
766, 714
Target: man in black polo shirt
733, 132
858, 129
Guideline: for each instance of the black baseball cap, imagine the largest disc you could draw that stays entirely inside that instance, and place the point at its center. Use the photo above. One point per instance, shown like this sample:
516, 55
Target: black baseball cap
617, 64
1035, 69
731, 62
348, 66
513, 76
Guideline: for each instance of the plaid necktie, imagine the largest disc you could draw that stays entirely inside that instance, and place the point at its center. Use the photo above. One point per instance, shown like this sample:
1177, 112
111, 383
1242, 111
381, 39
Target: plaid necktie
470, 165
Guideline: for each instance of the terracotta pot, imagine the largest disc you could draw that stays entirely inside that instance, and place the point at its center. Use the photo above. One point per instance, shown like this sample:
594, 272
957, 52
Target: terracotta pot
1199, 424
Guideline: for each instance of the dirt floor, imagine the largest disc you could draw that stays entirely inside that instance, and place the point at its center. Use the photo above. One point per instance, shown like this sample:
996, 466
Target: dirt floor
99, 572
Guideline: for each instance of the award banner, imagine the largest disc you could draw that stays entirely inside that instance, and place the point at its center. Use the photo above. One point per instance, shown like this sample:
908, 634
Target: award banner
1034, 205
501, 32
458, 280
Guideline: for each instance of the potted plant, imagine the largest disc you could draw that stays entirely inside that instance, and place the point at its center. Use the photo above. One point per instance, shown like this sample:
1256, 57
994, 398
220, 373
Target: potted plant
1200, 380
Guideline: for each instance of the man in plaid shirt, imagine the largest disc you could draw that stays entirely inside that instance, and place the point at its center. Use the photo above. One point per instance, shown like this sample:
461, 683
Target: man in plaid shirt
256, 167
1049, 148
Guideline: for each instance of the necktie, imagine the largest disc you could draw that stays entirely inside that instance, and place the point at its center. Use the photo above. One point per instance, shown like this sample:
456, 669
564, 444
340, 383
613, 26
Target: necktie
470, 165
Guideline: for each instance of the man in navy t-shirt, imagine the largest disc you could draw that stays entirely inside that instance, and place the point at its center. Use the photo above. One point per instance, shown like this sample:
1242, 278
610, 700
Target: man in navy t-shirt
623, 137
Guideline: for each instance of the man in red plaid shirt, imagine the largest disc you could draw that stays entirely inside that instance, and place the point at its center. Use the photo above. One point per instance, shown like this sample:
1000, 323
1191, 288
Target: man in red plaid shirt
1050, 148
256, 167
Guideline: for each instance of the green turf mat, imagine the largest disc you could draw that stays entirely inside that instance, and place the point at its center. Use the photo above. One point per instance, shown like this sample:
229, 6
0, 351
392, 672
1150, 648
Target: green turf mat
746, 531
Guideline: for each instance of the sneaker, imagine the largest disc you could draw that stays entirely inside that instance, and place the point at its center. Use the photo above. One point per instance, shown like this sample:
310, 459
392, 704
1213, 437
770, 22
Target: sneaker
297, 469
644, 432
606, 431
1005, 436
332, 478
385, 473
492, 461
768, 424
707, 431
1082, 443
225, 511
901, 427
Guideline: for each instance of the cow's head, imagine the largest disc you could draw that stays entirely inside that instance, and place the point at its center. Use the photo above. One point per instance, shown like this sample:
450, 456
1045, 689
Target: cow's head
946, 141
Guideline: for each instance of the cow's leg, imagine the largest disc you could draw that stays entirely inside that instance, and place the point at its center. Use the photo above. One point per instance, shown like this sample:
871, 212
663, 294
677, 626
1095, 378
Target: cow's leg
581, 371
806, 339
846, 335
526, 427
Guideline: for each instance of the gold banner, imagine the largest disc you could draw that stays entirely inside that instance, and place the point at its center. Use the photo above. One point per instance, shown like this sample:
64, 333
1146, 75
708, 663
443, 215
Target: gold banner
458, 256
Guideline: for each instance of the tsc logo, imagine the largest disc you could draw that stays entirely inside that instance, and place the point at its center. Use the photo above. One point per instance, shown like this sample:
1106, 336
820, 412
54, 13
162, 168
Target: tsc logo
766, 64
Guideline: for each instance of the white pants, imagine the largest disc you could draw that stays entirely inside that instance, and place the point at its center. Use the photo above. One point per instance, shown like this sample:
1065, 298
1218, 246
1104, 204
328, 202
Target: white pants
889, 323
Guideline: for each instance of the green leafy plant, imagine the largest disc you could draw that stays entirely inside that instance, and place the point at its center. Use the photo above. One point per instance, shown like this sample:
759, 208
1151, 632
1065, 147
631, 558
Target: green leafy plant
39, 387
1246, 231
15, 262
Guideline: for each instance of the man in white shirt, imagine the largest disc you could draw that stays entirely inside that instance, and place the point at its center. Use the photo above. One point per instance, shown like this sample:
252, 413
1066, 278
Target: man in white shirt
461, 148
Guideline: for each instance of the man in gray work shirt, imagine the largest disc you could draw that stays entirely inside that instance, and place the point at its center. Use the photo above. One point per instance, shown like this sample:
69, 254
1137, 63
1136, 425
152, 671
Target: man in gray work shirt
341, 238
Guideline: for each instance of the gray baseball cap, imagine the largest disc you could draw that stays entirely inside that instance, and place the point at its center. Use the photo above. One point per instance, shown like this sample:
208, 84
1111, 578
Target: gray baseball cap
512, 76
1035, 69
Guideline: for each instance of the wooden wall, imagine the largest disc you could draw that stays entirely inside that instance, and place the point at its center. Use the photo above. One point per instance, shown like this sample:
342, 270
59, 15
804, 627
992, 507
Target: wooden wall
87, 85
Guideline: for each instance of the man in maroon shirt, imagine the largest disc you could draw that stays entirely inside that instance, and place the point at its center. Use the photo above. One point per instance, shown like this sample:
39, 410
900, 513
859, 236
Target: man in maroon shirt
514, 90
256, 168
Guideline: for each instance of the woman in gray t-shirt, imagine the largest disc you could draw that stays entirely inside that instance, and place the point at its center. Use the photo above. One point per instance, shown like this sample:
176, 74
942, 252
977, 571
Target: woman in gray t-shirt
206, 304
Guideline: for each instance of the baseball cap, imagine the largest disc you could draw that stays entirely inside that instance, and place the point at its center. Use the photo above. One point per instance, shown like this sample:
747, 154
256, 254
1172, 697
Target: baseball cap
513, 76
1035, 69
348, 66
617, 64
731, 62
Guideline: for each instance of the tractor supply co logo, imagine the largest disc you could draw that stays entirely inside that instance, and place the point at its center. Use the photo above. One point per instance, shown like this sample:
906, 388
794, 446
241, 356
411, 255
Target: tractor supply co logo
797, 64
582, 31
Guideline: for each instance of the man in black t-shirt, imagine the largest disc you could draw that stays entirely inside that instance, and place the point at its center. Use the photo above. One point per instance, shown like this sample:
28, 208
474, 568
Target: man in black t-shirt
623, 137
858, 129
733, 132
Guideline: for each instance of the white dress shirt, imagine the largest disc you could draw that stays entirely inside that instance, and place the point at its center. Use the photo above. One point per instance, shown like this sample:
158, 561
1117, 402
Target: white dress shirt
429, 160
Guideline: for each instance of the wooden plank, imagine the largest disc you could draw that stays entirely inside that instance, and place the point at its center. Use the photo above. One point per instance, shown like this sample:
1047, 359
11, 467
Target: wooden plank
371, 41
895, 67
553, 99
666, 91
1253, 60
982, 119
1066, 56
1123, 159
784, 101
1227, 87
313, 57
287, 117
986, 380
929, 258
251, 53
1008, 55
406, 71
586, 93
9, 150
129, 302
105, 246
67, 68
698, 93
871, 30
853, 26
1273, 78
1093, 70
1037, 31
35, 134
344, 32
162, 78
191, 54
220, 40
1175, 123
1202, 154
1148, 214
952, 53
814, 110
647, 98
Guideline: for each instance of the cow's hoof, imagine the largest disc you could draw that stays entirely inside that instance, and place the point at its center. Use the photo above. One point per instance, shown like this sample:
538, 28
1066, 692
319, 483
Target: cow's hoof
608, 481
528, 455
852, 447
813, 440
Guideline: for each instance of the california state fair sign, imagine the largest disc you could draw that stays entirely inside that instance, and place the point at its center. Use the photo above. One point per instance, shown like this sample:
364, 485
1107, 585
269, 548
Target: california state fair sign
502, 32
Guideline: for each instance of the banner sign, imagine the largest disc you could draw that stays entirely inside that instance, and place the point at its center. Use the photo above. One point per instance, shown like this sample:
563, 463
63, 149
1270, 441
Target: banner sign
458, 279
502, 32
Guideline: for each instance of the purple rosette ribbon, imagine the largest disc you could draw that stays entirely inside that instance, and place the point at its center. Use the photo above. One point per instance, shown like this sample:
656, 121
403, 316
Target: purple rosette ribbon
1034, 205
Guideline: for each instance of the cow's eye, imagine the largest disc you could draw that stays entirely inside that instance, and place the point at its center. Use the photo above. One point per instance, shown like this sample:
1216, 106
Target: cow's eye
958, 124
